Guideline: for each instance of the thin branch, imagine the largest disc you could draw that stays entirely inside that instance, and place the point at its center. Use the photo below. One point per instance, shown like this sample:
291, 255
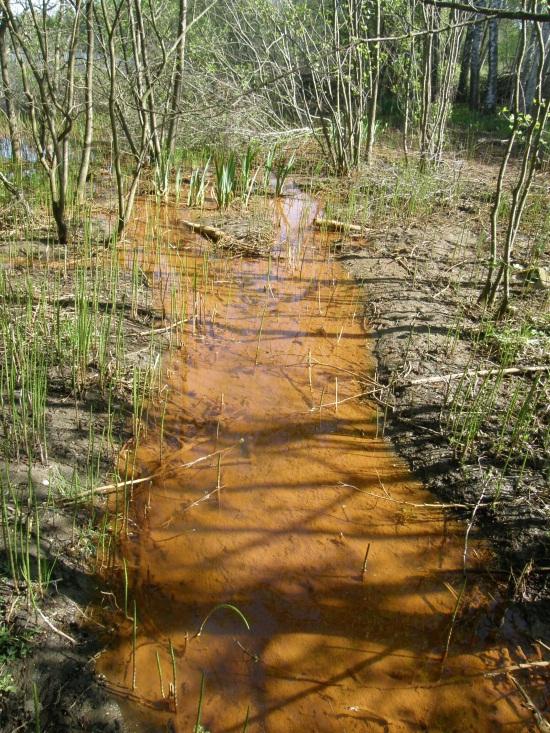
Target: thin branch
473, 373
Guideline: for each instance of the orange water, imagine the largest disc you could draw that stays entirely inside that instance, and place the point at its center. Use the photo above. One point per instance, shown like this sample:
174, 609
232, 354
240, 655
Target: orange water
278, 518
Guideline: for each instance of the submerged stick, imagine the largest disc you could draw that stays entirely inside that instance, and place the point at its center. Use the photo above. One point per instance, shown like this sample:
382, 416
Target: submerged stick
365, 562
159, 669
174, 675
134, 645
542, 724
451, 627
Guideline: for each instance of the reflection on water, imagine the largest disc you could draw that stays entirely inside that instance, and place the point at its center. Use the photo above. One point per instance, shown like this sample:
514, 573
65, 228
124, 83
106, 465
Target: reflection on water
277, 519
28, 155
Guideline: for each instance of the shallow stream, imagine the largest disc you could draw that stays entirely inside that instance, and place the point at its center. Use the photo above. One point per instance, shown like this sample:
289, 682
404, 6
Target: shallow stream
272, 480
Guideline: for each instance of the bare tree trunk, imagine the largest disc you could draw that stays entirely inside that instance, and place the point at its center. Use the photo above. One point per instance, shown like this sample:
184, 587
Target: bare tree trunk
435, 110
475, 66
88, 101
177, 82
463, 91
532, 62
492, 73
111, 59
426, 89
8, 92
436, 56
50, 95
373, 102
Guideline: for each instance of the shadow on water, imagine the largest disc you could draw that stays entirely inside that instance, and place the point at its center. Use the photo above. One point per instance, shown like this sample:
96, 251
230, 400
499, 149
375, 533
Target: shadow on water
271, 482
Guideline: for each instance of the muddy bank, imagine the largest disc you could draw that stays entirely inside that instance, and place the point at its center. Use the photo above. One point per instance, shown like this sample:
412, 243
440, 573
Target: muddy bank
48, 640
420, 287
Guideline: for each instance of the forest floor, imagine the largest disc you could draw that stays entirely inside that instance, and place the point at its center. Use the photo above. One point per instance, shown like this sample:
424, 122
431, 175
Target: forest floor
421, 278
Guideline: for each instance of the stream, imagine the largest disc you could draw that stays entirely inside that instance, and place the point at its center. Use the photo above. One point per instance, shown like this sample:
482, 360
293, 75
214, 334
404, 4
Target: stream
275, 492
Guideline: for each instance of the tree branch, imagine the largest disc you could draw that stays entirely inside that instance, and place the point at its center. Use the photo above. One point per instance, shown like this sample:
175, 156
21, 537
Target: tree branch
481, 10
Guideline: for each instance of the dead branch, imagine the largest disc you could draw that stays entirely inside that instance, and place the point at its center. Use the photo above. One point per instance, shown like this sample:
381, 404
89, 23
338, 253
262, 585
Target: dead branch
473, 373
491, 12
205, 230
333, 225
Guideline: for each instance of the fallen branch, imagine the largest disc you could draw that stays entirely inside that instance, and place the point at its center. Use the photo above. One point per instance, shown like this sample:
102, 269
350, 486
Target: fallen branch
205, 230
473, 373
161, 473
333, 225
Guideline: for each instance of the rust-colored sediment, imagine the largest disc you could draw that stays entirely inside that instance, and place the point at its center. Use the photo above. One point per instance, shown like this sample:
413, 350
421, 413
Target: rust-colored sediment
284, 539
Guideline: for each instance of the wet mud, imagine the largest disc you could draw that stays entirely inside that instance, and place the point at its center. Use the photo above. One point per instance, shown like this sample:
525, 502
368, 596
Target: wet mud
275, 492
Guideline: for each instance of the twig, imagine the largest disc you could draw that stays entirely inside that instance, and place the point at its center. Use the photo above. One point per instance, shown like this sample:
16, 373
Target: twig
162, 472
517, 668
163, 329
205, 230
542, 724
469, 527
491, 12
361, 377
341, 402
408, 503
54, 628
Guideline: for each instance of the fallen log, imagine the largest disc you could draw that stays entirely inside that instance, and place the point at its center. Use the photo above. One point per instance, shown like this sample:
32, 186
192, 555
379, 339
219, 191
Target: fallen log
205, 230
333, 225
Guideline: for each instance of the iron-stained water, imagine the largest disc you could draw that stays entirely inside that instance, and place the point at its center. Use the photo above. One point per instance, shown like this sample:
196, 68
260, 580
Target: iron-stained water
277, 520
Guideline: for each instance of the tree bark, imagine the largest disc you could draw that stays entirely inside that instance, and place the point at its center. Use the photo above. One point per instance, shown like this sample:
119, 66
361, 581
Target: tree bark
475, 66
492, 73
463, 81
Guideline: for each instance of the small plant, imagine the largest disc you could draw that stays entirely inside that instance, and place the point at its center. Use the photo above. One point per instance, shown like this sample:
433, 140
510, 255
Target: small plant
197, 186
282, 171
225, 180
246, 177
12, 647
